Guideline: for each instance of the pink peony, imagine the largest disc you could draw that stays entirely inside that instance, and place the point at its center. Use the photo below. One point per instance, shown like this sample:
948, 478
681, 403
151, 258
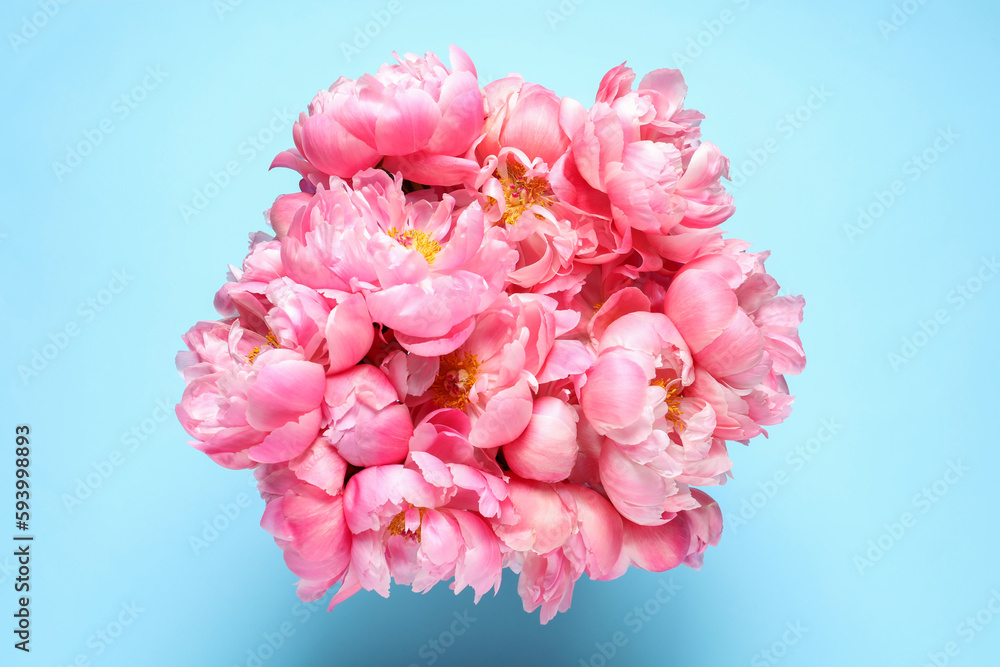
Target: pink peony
418, 115
494, 329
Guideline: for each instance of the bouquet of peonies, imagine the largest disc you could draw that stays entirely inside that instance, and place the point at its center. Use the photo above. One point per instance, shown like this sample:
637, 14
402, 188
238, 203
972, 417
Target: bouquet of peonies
495, 328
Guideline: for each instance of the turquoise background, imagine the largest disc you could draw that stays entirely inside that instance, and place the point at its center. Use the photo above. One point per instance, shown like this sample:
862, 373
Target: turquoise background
847, 539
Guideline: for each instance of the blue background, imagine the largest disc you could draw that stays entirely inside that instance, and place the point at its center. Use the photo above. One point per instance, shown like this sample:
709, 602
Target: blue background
868, 552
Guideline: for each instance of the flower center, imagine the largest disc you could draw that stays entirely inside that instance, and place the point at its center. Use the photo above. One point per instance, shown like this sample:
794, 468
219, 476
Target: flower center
398, 525
456, 376
673, 401
521, 193
271, 339
417, 240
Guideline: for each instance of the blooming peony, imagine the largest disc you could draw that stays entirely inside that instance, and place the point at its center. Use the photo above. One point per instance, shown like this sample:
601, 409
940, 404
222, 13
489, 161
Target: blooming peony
494, 328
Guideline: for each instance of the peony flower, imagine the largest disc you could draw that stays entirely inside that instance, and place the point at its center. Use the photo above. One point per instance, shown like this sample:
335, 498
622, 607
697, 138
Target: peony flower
524, 116
424, 267
423, 523
494, 328
305, 515
418, 115
714, 300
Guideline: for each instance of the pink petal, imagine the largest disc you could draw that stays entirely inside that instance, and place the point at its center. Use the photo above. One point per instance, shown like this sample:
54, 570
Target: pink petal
316, 523
615, 393
601, 527
701, 305
506, 416
544, 522
333, 150
461, 122
636, 490
284, 208
288, 440
658, 548
379, 440
546, 450
433, 169
440, 539
349, 333
283, 392
321, 466
566, 358
438, 345
406, 122
479, 564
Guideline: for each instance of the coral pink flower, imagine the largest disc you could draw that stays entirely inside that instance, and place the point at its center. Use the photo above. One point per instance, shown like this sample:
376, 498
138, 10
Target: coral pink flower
368, 424
519, 197
208, 350
492, 375
714, 301
494, 328
305, 515
524, 116
264, 412
423, 523
705, 527
562, 531
546, 450
636, 396
418, 114
425, 268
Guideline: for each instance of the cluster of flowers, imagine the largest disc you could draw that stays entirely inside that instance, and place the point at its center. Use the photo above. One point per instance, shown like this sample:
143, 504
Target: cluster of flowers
494, 329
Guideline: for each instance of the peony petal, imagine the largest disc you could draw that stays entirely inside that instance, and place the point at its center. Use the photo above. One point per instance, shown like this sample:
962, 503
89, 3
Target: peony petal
283, 392
288, 440
658, 548
349, 333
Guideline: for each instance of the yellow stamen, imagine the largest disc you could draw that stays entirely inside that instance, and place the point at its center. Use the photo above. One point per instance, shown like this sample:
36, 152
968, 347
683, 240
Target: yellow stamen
456, 376
271, 340
417, 240
673, 401
522, 193
398, 525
